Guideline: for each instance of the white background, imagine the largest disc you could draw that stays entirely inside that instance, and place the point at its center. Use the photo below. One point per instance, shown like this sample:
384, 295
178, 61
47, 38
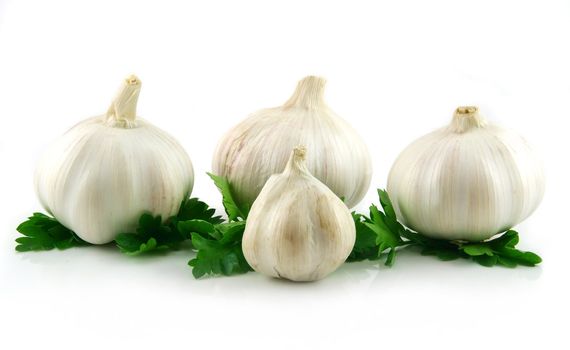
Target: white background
395, 70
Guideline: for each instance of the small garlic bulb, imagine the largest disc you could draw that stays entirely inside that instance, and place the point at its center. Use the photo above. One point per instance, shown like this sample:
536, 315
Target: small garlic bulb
259, 147
297, 229
468, 181
102, 174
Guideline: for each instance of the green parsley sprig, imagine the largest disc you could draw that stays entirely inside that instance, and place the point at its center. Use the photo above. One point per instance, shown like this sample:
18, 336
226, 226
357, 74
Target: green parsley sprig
235, 211
42, 232
219, 246
151, 234
219, 250
380, 233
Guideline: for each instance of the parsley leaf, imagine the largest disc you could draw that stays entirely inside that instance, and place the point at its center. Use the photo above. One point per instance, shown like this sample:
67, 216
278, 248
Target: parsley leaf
219, 251
195, 226
500, 251
42, 232
193, 208
153, 235
233, 209
377, 233
386, 239
365, 245
218, 245
390, 235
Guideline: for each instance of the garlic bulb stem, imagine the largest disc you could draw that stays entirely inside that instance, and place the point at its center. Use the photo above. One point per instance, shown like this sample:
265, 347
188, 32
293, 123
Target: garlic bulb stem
308, 94
123, 109
467, 118
297, 161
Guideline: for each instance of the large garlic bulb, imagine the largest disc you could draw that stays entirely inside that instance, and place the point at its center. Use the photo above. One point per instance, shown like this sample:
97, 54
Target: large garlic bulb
297, 229
468, 181
102, 174
260, 145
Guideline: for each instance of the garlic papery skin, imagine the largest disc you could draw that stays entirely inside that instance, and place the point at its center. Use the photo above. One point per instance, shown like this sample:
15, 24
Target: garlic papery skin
259, 147
468, 181
102, 174
297, 229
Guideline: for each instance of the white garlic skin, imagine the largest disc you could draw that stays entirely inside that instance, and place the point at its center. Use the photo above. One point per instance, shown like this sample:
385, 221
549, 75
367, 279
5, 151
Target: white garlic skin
297, 229
468, 181
102, 174
259, 147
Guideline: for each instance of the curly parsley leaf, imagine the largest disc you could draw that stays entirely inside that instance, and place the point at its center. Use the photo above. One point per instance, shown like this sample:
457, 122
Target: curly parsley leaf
219, 251
233, 209
42, 232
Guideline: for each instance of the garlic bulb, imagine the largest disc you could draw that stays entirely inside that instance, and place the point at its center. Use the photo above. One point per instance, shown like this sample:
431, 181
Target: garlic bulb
260, 145
297, 228
468, 181
102, 174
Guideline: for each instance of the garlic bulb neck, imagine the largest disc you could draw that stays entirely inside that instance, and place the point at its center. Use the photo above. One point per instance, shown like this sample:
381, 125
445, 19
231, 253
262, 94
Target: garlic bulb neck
123, 110
296, 161
308, 94
467, 118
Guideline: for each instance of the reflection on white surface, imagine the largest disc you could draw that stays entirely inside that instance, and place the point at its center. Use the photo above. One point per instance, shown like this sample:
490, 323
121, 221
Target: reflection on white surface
104, 265
100, 291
